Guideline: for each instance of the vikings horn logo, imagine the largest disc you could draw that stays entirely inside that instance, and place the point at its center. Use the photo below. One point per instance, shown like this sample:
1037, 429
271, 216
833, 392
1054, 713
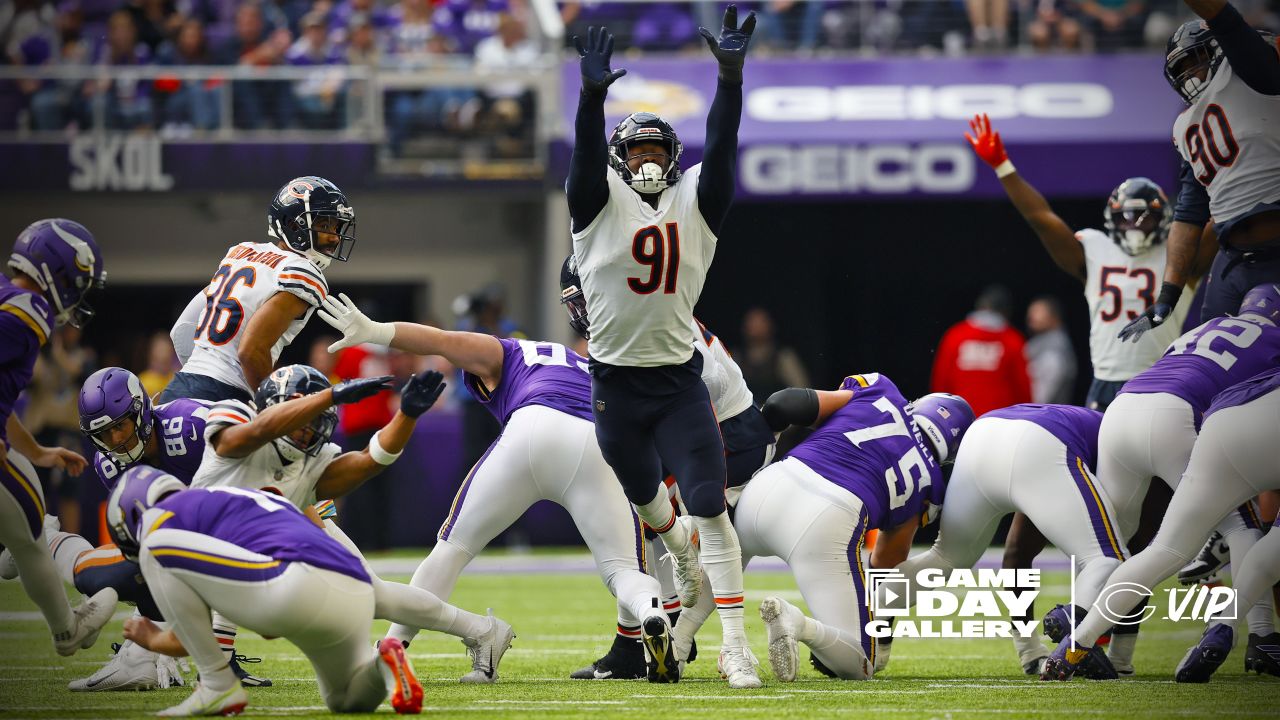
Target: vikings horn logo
84, 253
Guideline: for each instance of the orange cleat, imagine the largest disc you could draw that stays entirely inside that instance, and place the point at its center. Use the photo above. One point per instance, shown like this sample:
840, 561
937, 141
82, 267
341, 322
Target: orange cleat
407, 697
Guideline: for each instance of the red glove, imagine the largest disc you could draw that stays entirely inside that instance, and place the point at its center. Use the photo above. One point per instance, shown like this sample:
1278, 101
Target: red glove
986, 142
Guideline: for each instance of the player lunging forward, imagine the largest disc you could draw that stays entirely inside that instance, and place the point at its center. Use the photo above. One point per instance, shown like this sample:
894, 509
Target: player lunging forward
644, 233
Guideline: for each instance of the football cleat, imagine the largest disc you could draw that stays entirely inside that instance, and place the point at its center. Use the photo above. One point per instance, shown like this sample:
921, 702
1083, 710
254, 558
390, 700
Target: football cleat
1065, 662
782, 622
687, 569
132, 668
662, 665
210, 702
487, 650
8, 566
247, 679
1198, 664
821, 666
1057, 622
738, 666
87, 620
884, 647
1263, 655
406, 696
624, 661
1035, 666
1211, 558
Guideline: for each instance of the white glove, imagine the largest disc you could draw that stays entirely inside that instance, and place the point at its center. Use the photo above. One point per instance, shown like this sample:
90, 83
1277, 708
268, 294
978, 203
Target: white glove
355, 326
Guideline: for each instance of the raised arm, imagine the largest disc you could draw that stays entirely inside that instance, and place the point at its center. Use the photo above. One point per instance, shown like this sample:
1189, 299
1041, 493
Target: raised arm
719, 160
1252, 58
587, 187
1054, 234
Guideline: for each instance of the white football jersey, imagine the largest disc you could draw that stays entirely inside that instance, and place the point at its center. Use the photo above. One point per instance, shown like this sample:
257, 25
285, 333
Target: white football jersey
263, 468
722, 376
642, 271
1231, 137
250, 274
1118, 288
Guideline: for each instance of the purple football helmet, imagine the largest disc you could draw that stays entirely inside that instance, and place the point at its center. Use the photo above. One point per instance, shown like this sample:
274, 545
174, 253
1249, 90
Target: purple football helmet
1263, 301
108, 398
943, 418
137, 491
62, 257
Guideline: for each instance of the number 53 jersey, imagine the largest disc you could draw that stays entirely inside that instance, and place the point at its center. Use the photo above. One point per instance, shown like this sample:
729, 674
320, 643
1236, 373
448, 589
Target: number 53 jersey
871, 448
249, 275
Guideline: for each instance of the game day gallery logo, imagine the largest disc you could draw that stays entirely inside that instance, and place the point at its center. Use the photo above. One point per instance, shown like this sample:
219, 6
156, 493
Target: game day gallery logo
958, 604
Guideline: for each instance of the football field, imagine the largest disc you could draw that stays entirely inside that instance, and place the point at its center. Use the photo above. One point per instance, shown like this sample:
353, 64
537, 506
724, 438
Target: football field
564, 619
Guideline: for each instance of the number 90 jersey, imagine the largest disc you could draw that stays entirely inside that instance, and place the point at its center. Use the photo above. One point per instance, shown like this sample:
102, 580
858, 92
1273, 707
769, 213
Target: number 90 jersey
1118, 288
249, 275
871, 448
642, 271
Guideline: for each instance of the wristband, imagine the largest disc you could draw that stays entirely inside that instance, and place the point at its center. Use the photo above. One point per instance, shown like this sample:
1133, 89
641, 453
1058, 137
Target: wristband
379, 455
1005, 169
382, 333
1169, 294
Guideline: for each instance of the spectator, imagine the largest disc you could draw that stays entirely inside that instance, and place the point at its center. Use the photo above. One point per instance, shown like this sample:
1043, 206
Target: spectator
1051, 359
162, 363
414, 42
319, 98
29, 37
256, 104
791, 24
508, 105
1052, 23
1114, 24
361, 40
982, 358
22, 21
319, 357
766, 367
157, 21
126, 99
990, 22
365, 510
189, 103
664, 27
342, 15
464, 23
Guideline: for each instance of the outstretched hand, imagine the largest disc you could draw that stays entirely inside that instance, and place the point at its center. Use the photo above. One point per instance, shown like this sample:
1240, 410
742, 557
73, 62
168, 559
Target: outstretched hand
597, 76
353, 391
986, 142
421, 392
356, 327
731, 49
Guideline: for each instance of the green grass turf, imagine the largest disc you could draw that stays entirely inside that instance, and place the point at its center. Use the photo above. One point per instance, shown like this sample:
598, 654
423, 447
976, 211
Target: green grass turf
565, 621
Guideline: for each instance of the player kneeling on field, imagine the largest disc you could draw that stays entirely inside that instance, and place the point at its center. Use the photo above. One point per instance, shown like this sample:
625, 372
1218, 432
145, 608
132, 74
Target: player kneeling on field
263, 564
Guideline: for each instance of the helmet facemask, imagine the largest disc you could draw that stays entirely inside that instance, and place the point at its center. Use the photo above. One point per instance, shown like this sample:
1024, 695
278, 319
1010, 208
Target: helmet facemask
1190, 69
576, 304
128, 450
1136, 229
651, 177
312, 437
340, 225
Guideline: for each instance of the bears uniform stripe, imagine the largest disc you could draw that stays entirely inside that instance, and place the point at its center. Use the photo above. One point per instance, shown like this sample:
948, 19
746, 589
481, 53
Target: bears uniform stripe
300, 277
227, 416
308, 294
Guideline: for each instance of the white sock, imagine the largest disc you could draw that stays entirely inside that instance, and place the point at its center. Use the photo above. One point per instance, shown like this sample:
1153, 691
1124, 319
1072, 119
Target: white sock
722, 563
1120, 651
661, 516
67, 548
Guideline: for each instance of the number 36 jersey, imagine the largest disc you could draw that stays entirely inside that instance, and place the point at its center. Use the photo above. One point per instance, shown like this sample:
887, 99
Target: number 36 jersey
250, 274
871, 448
1118, 288
642, 271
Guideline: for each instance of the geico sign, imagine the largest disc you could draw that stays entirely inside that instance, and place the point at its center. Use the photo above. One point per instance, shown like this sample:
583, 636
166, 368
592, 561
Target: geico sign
801, 103
845, 169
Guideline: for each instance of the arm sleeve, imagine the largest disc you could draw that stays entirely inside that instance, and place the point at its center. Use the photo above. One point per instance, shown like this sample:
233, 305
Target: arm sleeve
183, 332
1252, 58
1192, 205
719, 162
792, 406
302, 279
587, 186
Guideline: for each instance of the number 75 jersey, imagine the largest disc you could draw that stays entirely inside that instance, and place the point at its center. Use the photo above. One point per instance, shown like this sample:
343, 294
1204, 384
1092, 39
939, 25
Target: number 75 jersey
871, 448
1118, 288
248, 276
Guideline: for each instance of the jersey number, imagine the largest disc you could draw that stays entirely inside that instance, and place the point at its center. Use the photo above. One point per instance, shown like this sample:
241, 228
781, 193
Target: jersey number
222, 312
1147, 293
1211, 144
1200, 344
911, 474
657, 253
555, 355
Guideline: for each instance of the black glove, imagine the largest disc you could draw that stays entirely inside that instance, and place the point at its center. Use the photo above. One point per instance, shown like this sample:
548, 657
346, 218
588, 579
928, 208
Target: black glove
731, 50
1155, 315
421, 392
596, 75
351, 391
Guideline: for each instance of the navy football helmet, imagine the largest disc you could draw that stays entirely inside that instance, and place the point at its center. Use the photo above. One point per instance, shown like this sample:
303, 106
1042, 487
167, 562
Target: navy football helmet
1191, 58
572, 298
309, 205
287, 383
1137, 215
645, 127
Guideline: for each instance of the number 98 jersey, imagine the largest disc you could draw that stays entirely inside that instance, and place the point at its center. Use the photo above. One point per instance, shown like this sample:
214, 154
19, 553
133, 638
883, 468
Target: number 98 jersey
871, 448
249, 275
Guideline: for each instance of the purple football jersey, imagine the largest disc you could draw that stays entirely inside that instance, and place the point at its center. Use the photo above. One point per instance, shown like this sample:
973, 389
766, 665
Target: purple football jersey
179, 429
871, 448
536, 373
1247, 391
258, 522
1207, 360
25, 324
1076, 427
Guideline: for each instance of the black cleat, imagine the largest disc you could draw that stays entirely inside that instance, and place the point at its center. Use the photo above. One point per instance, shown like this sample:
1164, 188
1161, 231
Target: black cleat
1212, 557
820, 667
624, 661
663, 666
1264, 654
246, 679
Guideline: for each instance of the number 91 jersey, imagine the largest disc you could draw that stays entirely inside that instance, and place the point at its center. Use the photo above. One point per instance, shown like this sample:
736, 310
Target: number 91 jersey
250, 274
871, 448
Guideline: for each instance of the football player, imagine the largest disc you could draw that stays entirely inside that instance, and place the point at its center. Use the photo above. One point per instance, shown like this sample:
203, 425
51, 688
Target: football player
56, 266
644, 232
1151, 429
286, 448
874, 461
231, 333
255, 558
748, 446
540, 393
1229, 140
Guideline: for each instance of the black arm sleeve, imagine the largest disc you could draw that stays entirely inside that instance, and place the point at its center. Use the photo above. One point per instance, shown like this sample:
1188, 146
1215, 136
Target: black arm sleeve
793, 406
1252, 58
1192, 205
719, 161
587, 186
